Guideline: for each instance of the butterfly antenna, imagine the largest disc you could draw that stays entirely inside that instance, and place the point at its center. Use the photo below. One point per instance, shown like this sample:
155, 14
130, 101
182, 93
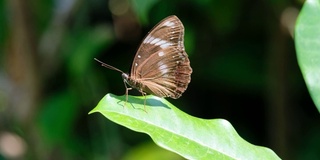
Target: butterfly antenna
108, 66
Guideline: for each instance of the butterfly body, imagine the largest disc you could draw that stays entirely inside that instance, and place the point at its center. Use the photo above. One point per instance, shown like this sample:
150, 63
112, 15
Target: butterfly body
161, 66
132, 82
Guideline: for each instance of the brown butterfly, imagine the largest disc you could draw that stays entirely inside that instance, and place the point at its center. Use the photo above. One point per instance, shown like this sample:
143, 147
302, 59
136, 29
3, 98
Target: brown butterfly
161, 66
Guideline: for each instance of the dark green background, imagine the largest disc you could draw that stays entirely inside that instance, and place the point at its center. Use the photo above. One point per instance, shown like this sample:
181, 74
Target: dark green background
242, 54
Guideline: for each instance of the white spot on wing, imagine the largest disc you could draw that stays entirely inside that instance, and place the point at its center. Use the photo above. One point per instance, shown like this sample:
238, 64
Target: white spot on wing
155, 40
166, 76
161, 42
168, 23
148, 39
136, 64
163, 68
165, 45
139, 56
160, 54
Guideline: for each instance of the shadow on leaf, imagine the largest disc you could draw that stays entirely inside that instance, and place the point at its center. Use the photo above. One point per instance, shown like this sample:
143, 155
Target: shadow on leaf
151, 101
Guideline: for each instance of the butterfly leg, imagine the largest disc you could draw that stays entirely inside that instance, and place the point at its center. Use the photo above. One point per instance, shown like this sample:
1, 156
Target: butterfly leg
145, 99
127, 91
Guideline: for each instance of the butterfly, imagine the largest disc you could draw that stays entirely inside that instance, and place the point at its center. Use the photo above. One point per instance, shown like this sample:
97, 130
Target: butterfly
161, 66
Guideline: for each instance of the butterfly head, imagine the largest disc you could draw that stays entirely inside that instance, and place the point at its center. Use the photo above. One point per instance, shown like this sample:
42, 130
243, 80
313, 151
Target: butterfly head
125, 77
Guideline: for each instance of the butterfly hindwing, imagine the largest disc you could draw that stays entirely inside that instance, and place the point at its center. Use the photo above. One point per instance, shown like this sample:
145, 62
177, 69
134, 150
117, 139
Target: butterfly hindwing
172, 79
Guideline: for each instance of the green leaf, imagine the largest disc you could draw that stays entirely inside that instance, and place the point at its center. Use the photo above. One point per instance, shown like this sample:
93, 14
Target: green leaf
307, 41
174, 130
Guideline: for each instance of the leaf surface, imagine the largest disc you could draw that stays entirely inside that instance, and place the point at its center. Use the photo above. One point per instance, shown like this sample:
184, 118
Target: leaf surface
307, 42
174, 130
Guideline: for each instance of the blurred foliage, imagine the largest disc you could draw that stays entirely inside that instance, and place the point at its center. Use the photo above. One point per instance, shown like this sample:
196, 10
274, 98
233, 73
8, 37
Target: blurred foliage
242, 54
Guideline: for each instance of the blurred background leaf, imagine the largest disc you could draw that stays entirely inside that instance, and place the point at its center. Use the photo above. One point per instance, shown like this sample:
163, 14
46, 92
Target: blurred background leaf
307, 38
244, 70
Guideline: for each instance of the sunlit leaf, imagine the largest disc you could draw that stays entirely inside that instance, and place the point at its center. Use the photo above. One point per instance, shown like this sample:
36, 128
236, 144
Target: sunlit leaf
172, 129
307, 41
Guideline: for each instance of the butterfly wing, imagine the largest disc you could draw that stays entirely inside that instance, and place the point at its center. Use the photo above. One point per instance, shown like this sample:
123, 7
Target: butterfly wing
161, 65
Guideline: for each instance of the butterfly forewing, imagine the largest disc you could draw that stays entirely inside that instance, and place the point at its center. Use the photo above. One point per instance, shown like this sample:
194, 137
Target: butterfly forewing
168, 31
161, 65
